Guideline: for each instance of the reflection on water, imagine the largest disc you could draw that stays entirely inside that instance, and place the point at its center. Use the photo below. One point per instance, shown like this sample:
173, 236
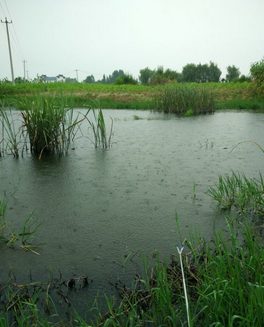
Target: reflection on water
99, 205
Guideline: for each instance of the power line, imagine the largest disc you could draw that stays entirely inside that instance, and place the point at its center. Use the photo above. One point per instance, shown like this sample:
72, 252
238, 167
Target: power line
3, 9
15, 38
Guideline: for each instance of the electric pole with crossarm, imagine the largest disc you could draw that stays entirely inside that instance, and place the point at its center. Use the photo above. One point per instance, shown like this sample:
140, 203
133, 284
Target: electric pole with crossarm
9, 47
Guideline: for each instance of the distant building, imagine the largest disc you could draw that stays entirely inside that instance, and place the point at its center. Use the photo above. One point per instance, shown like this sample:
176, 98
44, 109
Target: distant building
47, 79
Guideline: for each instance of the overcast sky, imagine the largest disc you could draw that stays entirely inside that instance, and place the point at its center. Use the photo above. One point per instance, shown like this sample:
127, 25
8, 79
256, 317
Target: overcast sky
99, 36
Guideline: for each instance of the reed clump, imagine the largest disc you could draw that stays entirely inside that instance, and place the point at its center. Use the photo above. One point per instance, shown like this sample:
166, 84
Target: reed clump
181, 98
49, 123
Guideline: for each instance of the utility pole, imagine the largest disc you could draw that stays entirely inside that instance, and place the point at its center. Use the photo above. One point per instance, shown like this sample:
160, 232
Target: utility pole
10, 55
27, 76
24, 62
77, 74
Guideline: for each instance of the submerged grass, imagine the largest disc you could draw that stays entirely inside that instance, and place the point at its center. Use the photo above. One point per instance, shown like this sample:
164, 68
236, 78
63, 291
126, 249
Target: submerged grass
182, 98
23, 235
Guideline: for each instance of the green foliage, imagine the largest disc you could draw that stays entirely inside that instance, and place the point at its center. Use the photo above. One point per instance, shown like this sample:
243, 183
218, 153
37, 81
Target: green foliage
145, 75
241, 105
126, 79
237, 191
179, 98
161, 77
24, 235
257, 75
233, 73
89, 79
99, 129
201, 73
189, 113
242, 79
49, 124
112, 77
136, 117
10, 137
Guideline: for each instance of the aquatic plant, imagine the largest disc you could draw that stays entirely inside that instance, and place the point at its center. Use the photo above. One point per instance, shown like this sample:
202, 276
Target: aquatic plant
189, 113
10, 136
99, 129
24, 235
136, 117
179, 98
49, 123
239, 192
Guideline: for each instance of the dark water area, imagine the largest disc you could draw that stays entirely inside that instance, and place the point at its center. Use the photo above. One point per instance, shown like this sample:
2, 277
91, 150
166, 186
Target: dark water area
99, 206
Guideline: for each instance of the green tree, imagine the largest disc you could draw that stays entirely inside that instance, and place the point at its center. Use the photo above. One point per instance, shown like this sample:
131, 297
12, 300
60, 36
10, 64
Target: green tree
125, 79
214, 73
145, 75
70, 80
112, 77
257, 72
19, 80
189, 73
201, 73
257, 75
242, 79
163, 77
232, 73
89, 79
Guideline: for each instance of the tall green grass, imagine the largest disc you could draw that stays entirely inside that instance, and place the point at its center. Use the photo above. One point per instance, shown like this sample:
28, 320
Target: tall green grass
97, 124
239, 192
179, 98
11, 141
49, 123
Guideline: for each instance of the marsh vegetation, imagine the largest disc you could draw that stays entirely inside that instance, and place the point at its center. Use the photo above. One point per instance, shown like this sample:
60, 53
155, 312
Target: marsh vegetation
47, 125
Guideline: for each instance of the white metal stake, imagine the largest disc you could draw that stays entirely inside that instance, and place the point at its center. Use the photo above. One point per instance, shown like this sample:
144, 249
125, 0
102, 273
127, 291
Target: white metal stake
184, 284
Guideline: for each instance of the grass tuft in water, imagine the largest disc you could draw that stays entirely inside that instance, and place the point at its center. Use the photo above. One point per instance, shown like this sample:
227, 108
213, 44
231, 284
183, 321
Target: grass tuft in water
10, 136
24, 235
49, 123
98, 127
239, 192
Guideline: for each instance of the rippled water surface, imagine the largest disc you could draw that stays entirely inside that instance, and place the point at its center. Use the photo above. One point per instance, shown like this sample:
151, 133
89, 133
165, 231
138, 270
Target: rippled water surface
98, 206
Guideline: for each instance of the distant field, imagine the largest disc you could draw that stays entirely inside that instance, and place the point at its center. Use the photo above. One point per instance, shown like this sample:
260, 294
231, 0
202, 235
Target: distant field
228, 95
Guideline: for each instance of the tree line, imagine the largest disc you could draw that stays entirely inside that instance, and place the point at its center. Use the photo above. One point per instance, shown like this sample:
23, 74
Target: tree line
201, 73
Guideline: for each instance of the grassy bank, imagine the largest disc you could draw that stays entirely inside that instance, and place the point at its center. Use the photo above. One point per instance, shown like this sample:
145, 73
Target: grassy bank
227, 95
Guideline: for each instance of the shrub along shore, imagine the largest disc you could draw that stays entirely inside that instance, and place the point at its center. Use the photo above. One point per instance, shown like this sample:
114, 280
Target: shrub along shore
226, 95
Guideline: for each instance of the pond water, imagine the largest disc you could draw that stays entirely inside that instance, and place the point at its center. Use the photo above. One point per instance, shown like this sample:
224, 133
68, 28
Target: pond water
98, 206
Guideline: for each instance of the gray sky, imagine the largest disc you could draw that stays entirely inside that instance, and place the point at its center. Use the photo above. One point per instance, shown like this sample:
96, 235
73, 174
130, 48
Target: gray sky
98, 36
